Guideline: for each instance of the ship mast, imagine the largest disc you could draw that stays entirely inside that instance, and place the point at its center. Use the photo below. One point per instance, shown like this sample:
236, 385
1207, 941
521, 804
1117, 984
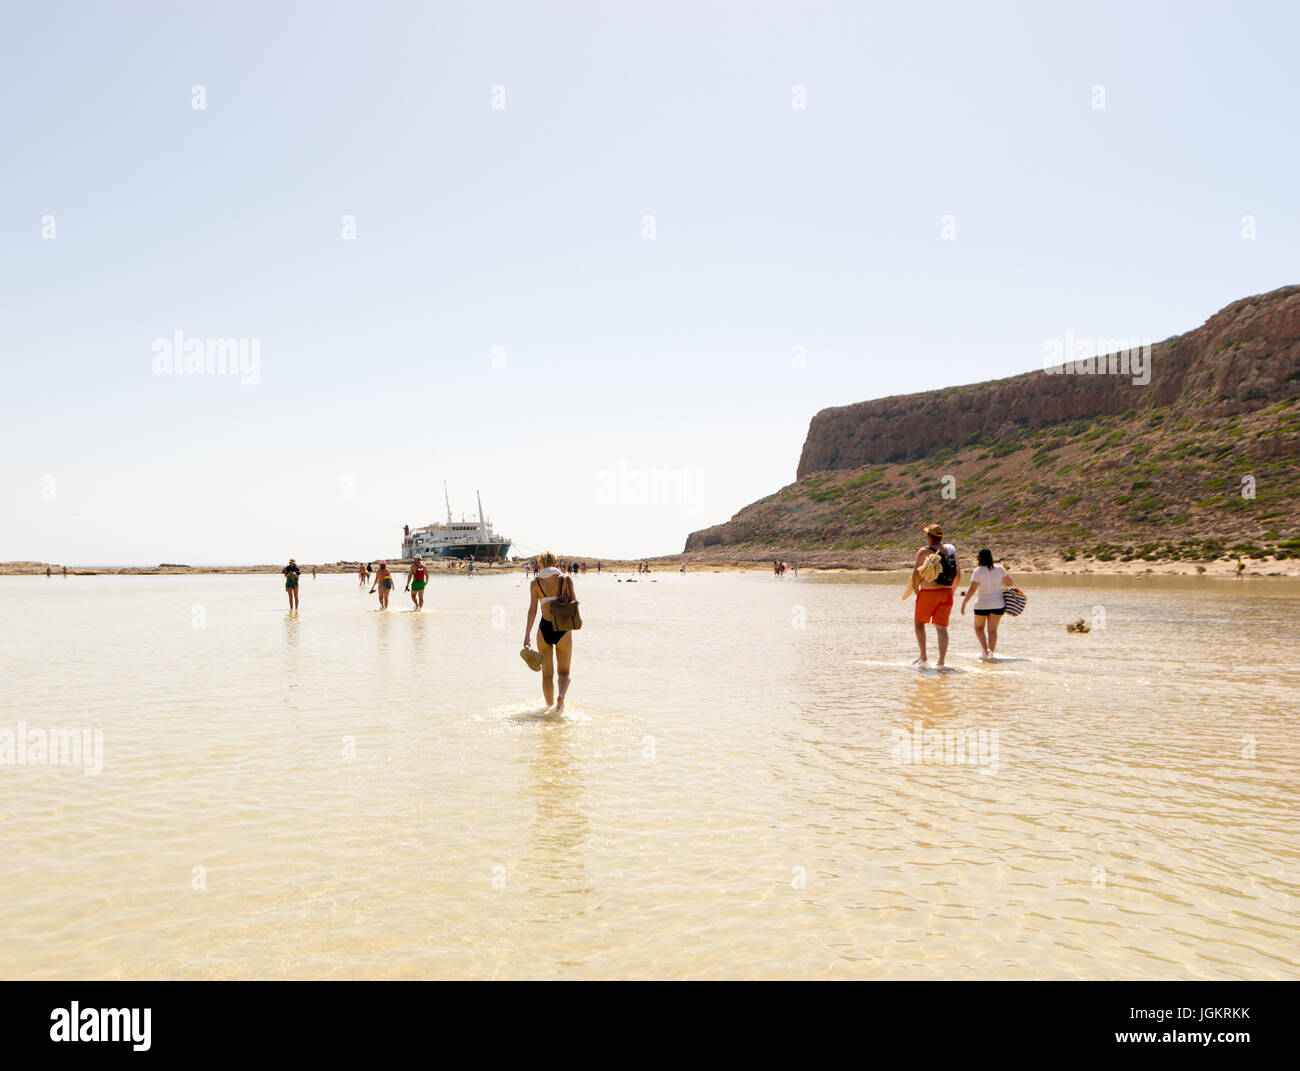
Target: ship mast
482, 532
446, 499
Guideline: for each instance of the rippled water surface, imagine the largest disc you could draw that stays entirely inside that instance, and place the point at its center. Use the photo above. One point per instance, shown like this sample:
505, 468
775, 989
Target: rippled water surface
381, 795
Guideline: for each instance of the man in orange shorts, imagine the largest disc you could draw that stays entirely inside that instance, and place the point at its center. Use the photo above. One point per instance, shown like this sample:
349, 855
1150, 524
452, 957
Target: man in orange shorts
934, 590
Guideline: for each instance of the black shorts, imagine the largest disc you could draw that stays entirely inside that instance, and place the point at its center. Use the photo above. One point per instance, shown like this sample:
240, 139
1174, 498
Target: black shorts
550, 633
985, 613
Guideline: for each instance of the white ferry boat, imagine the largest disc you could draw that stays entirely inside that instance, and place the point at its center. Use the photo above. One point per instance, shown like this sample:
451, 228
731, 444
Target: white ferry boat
455, 539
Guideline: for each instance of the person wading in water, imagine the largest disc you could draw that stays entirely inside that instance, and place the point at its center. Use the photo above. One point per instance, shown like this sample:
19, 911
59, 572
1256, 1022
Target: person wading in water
291, 574
384, 582
934, 589
552, 644
986, 587
416, 578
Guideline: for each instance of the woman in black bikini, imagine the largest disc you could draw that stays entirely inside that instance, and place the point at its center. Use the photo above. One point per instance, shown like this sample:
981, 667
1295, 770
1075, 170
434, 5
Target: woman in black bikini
552, 644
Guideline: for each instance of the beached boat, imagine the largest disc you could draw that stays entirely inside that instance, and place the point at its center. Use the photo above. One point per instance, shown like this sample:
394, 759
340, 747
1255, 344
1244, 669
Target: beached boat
455, 539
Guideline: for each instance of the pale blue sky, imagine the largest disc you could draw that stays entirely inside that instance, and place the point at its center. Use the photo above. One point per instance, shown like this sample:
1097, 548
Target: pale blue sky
668, 360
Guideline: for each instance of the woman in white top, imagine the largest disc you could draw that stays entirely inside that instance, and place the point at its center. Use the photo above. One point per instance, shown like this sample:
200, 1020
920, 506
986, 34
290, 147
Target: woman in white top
553, 644
986, 586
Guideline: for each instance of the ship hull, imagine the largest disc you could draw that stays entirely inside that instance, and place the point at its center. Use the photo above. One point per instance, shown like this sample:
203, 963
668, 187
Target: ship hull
481, 552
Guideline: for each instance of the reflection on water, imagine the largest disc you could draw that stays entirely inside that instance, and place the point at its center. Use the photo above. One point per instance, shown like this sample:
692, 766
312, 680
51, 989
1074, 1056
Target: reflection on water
752, 780
552, 863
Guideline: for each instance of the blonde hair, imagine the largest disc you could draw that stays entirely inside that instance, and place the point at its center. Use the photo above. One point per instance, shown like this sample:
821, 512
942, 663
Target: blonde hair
546, 559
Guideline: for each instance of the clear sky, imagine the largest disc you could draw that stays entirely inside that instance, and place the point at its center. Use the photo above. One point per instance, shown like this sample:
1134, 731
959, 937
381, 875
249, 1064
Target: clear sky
501, 319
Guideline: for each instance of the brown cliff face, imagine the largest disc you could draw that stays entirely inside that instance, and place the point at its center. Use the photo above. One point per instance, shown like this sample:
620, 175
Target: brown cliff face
1245, 357
1201, 460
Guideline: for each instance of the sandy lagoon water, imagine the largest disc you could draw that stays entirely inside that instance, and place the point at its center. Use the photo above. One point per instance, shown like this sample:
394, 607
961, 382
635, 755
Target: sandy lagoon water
747, 783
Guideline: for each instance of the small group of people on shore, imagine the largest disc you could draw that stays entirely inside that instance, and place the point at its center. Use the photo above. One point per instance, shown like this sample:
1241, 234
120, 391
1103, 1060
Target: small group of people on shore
779, 569
935, 576
571, 568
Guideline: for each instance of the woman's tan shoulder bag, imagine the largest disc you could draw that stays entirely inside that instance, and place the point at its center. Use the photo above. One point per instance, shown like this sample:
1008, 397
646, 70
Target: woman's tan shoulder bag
564, 608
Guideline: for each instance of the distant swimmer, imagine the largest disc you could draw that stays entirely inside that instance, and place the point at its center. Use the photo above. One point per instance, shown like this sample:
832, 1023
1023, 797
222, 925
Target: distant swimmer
384, 582
469, 568
1241, 568
986, 585
934, 575
416, 578
47, 571
65, 570
552, 643
363, 574
291, 573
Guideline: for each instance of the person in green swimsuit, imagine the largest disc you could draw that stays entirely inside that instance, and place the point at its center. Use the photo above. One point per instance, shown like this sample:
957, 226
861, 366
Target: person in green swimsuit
416, 577
290, 572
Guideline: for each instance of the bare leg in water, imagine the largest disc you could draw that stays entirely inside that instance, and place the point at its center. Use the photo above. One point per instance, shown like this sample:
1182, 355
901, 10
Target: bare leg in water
564, 656
941, 632
548, 669
563, 653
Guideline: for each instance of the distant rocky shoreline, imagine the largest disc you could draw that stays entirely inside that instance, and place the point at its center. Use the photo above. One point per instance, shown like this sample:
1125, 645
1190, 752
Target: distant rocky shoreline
437, 566
1186, 468
694, 564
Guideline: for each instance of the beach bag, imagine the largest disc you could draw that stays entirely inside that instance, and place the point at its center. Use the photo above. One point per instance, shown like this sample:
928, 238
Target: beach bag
1013, 601
564, 608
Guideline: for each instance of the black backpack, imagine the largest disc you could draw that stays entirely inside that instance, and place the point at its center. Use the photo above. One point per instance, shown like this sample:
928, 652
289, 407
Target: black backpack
949, 572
